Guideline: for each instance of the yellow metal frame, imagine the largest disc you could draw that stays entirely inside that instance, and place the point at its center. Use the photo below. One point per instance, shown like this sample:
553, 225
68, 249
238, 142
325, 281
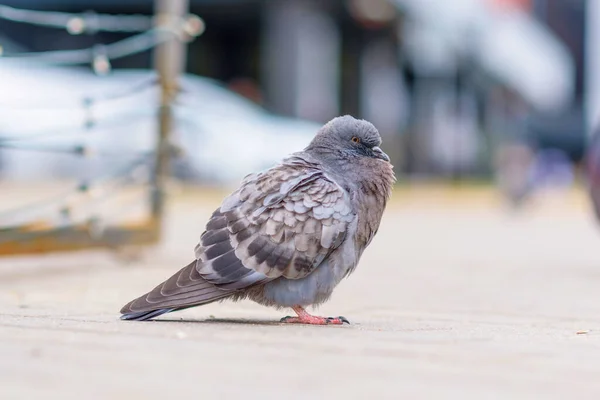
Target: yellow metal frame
40, 238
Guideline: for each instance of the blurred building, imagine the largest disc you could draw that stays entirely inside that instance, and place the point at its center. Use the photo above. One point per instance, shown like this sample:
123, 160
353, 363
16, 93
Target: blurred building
564, 128
444, 81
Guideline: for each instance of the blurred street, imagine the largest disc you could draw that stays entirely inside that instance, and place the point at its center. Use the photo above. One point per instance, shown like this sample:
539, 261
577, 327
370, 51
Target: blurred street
468, 300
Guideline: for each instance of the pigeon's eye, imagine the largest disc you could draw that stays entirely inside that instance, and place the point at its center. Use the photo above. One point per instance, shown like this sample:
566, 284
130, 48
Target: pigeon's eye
355, 139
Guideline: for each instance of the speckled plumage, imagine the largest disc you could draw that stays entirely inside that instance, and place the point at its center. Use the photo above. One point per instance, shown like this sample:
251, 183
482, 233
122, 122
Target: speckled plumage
288, 235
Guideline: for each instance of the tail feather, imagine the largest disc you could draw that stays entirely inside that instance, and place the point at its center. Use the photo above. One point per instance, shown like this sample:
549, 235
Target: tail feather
145, 315
187, 288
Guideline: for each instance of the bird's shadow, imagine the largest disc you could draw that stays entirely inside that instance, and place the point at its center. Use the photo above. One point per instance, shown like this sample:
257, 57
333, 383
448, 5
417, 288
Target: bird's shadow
232, 321
218, 321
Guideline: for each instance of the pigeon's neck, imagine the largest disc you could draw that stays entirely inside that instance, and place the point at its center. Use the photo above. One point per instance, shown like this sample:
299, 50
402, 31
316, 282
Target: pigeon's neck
354, 172
373, 189
368, 181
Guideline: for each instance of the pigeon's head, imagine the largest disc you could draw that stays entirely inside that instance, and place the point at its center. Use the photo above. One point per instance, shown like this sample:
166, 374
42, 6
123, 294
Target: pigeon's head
349, 136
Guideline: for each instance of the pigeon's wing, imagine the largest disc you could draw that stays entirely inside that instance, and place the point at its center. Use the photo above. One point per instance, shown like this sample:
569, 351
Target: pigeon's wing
282, 222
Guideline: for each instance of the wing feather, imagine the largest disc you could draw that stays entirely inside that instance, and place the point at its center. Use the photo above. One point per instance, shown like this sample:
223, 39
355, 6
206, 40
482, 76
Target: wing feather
280, 223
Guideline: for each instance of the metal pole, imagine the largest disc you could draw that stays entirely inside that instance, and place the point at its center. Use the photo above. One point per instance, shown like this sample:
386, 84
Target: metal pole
169, 62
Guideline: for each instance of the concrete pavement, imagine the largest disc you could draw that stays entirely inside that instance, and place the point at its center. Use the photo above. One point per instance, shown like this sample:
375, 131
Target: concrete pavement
456, 298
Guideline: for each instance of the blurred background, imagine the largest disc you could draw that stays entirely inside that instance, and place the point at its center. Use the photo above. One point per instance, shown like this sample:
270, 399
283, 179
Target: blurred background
123, 124
503, 92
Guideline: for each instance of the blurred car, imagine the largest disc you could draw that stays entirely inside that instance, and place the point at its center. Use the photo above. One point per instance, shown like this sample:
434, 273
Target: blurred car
50, 117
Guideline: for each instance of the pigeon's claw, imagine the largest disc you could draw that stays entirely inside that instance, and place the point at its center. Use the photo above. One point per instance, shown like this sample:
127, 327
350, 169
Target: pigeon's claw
312, 320
338, 320
305, 318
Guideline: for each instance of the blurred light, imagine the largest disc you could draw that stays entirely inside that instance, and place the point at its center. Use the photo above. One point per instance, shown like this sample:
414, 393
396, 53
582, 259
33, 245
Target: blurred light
194, 25
101, 63
76, 26
1, 50
88, 22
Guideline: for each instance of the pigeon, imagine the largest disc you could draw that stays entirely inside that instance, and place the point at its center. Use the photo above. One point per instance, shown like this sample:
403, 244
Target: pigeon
288, 235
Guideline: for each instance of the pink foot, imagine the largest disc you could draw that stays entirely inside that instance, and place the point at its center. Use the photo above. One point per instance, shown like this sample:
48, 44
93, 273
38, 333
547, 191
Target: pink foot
305, 318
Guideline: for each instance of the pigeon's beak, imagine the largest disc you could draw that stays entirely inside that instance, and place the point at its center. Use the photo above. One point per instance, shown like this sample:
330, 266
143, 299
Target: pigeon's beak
378, 153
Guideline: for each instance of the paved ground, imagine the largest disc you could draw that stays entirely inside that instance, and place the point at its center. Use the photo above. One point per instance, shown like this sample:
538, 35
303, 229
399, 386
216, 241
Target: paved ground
456, 298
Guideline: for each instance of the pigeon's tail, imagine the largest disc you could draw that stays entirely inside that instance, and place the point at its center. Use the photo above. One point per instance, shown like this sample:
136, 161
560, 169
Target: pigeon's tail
145, 315
187, 288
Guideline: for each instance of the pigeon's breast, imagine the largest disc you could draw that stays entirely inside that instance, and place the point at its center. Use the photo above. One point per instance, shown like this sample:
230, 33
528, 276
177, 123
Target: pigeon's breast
315, 288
